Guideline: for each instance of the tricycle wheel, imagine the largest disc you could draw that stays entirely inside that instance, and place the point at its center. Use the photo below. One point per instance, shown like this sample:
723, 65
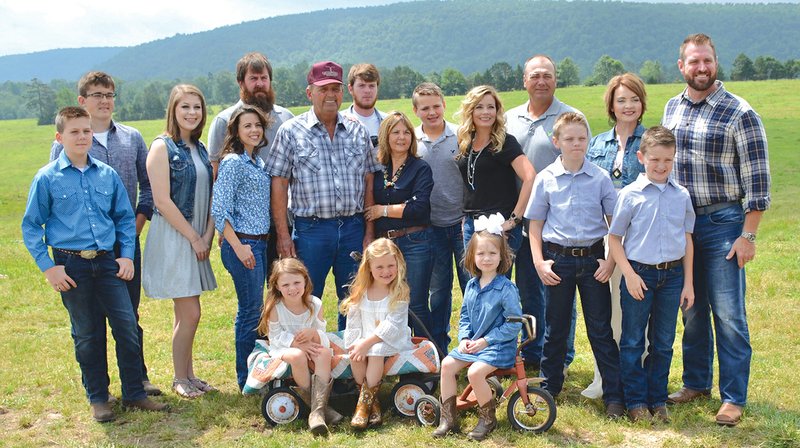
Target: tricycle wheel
428, 411
282, 405
537, 416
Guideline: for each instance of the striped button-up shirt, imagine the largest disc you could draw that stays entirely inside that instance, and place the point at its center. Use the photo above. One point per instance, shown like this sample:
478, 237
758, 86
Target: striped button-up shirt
721, 149
326, 177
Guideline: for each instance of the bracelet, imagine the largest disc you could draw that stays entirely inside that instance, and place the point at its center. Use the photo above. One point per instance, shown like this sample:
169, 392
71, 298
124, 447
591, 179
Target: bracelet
385, 211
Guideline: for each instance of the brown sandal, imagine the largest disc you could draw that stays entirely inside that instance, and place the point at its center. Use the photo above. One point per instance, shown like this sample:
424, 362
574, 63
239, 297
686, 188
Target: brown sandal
202, 385
185, 389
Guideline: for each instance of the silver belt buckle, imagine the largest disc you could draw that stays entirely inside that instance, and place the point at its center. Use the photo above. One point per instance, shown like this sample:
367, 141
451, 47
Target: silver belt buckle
88, 254
577, 252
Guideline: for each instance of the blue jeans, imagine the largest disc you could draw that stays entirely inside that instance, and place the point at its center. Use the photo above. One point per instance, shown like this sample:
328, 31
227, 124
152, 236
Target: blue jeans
531, 297
719, 287
323, 244
596, 302
514, 237
99, 290
417, 252
249, 284
646, 385
447, 243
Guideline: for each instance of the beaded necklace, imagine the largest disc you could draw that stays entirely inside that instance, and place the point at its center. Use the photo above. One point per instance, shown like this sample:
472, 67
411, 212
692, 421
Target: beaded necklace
391, 183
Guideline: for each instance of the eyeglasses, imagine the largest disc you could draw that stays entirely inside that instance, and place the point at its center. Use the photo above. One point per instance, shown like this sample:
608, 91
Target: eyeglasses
99, 96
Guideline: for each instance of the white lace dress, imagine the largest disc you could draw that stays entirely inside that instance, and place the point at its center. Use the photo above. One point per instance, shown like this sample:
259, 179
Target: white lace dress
375, 317
281, 333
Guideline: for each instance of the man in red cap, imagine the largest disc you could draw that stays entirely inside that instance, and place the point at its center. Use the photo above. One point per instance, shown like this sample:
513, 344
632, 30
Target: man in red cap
327, 160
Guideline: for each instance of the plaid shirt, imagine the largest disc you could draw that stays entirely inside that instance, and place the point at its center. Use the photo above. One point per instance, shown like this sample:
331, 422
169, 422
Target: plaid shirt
326, 177
722, 149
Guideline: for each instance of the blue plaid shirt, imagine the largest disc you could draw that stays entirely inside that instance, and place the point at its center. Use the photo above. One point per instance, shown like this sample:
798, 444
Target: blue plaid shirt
722, 149
326, 177
241, 195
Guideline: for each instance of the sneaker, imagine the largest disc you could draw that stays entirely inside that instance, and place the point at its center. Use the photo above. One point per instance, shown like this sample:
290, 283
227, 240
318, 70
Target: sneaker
102, 413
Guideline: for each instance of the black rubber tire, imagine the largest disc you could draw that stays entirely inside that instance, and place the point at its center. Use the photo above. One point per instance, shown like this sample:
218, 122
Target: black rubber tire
282, 405
540, 418
427, 411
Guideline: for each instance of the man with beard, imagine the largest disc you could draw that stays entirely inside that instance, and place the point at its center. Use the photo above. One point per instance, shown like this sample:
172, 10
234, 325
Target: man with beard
254, 75
722, 160
363, 81
327, 160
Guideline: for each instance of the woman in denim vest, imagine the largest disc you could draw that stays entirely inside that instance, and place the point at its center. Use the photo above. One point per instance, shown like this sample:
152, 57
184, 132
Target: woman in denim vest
615, 151
176, 264
241, 212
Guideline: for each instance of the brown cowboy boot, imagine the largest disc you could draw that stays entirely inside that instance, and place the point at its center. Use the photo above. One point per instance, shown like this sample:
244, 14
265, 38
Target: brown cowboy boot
375, 417
360, 418
487, 421
449, 420
331, 416
320, 391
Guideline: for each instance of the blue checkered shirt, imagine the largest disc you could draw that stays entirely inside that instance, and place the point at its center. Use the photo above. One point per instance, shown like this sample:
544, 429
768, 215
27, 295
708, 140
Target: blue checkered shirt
326, 177
722, 149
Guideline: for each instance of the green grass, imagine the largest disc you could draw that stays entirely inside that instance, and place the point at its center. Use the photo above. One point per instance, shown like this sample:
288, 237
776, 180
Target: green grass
42, 400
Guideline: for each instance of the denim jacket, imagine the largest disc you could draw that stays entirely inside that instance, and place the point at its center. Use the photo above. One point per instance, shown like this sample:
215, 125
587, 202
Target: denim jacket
182, 176
603, 150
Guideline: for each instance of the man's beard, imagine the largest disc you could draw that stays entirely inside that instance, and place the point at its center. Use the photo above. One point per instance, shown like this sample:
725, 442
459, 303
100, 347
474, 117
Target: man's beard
263, 99
701, 87
365, 105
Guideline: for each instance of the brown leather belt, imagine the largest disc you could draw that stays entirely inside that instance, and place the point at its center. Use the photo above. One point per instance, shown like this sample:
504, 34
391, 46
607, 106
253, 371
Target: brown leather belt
247, 236
662, 266
399, 233
595, 249
85, 254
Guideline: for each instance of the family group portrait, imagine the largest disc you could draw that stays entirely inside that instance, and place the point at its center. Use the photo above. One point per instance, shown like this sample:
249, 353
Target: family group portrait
361, 255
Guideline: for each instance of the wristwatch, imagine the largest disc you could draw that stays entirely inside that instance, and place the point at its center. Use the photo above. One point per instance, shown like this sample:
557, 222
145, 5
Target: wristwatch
515, 218
749, 236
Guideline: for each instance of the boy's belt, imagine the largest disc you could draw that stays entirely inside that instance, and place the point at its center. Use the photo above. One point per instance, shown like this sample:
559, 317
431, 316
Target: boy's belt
662, 266
595, 249
85, 254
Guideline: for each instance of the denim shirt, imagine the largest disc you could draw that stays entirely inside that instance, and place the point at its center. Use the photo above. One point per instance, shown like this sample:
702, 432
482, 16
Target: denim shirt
182, 176
603, 150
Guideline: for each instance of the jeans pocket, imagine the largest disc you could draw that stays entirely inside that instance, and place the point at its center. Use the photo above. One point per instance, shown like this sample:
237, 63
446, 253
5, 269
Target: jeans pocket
728, 215
423, 236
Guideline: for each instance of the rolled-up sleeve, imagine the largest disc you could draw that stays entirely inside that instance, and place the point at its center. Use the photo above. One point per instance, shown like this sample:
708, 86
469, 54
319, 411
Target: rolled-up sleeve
223, 202
419, 205
751, 146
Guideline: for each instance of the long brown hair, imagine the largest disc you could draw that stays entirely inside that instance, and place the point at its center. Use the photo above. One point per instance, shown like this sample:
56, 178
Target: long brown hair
173, 130
233, 144
280, 267
398, 289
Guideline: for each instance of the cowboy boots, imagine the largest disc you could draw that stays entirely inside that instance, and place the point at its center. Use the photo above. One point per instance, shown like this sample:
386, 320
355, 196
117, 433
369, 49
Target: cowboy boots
449, 420
331, 416
320, 391
375, 418
487, 421
360, 418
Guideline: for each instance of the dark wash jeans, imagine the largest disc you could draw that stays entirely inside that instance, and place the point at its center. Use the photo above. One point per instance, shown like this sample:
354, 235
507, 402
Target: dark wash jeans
596, 302
99, 290
323, 244
418, 254
447, 245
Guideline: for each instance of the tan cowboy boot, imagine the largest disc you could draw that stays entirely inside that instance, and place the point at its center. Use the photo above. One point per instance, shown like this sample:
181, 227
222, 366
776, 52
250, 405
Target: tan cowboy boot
331, 416
487, 421
360, 418
320, 391
449, 420
375, 417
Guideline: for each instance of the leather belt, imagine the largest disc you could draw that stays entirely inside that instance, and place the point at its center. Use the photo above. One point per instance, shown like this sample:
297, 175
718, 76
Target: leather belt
708, 209
399, 233
662, 266
595, 249
247, 236
85, 254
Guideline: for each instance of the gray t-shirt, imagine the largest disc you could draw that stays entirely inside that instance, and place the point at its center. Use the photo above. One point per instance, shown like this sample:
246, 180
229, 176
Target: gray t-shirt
536, 136
218, 128
449, 192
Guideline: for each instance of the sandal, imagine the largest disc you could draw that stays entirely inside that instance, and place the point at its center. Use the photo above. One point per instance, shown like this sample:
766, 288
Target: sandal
202, 385
186, 389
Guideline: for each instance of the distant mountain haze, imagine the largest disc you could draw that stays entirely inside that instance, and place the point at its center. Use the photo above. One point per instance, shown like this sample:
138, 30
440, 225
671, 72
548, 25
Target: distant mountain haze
434, 35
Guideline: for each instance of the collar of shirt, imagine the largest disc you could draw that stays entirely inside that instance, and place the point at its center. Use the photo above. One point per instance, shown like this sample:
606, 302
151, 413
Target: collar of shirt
554, 109
63, 161
611, 134
496, 283
711, 99
245, 158
559, 170
314, 121
642, 182
422, 136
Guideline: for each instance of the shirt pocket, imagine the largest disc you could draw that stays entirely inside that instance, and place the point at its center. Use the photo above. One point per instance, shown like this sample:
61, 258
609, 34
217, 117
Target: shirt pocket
354, 159
102, 197
65, 200
307, 161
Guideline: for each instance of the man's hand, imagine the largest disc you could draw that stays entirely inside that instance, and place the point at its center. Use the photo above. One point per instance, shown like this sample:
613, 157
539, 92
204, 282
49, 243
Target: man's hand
604, 270
636, 286
744, 250
545, 271
125, 268
286, 246
59, 280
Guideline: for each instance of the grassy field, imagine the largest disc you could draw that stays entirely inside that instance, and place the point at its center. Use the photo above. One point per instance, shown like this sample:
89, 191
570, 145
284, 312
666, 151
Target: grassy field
42, 401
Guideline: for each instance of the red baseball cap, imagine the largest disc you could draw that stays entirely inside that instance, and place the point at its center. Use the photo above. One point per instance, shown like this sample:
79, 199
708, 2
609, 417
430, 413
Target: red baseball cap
325, 72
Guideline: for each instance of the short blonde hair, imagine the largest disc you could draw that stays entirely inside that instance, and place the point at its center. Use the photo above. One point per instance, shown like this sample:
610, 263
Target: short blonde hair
568, 119
657, 136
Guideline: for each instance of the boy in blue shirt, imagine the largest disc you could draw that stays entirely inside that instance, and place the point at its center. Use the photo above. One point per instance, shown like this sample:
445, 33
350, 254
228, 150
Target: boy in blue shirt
80, 207
569, 209
655, 216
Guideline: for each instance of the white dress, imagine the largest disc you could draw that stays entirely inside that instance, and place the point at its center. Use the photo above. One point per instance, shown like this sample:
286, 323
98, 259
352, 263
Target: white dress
376, 317
282, 332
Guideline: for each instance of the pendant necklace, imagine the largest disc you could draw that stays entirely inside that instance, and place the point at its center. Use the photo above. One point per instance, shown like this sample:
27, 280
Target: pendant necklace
472, 161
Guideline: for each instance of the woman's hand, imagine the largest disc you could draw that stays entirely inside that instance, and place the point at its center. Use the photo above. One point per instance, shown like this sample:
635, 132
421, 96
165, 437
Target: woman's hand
245, 254
375, 212
201, 248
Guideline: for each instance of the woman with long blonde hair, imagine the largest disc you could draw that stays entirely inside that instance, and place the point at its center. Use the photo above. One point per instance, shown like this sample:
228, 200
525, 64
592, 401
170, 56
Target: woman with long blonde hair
490, 162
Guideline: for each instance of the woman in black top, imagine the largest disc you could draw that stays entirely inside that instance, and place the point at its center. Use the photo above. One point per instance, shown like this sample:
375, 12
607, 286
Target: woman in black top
402, 210
490, 162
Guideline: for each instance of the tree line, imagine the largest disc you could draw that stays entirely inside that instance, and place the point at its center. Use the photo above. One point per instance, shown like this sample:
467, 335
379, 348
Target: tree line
146, 100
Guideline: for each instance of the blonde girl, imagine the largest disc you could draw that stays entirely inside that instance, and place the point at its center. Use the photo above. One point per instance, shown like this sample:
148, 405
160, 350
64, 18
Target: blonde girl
486, 340
293, 321
377, 323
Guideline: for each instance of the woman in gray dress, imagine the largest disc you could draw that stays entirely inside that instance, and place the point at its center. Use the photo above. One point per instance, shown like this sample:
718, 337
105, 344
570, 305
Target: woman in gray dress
176, 264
